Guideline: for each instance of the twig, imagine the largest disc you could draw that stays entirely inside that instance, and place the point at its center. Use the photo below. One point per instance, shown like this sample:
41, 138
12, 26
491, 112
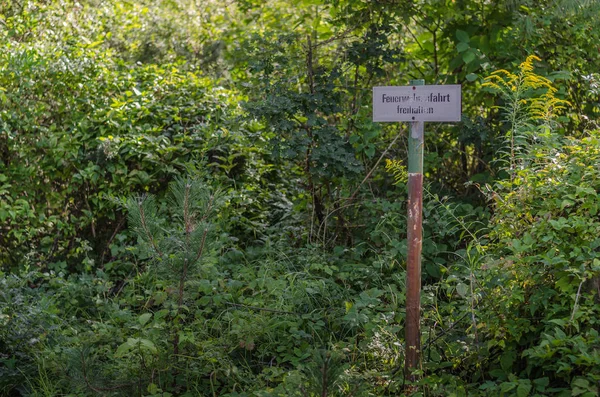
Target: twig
96, 388
473, 319
263, 309
325, 379
375, 166
303, 391
339, 36
112, 237
87, 204
445, 331
577, 299
202, 243
324, 223
415, 37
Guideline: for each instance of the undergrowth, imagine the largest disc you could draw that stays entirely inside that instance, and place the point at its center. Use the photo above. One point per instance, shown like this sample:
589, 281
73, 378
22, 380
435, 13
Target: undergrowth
192, 202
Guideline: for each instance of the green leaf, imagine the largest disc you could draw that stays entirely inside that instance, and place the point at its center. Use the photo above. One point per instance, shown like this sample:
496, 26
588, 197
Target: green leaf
564, 284
507, 386
541, 383
507, 359
471, 77
523, 389
433, 269
462, 289
134, 344
126, 347
144, 318
148, 345
468, 56
462, 47
581, 382
566, 203
462, 36
558, 321
152, 388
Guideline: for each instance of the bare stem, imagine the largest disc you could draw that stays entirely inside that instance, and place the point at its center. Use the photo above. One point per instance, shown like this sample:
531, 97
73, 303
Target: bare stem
97, 389
202, 243
577, 299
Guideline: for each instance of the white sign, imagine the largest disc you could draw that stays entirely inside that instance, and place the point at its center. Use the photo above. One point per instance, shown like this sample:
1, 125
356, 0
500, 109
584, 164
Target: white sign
417, 103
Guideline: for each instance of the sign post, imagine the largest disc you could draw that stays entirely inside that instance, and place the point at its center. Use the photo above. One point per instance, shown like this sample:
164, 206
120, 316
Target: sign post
416, 103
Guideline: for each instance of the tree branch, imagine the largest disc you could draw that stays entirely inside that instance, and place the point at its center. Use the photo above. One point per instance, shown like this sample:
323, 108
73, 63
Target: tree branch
376, 164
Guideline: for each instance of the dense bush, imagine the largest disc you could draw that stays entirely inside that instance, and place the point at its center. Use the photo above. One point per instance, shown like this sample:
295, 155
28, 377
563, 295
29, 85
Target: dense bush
193, 199
543, 298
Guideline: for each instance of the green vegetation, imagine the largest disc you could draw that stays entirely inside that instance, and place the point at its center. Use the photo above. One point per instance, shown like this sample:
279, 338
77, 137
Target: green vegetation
194, 200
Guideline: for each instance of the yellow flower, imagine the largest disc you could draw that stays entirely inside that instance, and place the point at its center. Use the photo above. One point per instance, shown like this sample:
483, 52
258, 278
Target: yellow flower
397, 169
521, 90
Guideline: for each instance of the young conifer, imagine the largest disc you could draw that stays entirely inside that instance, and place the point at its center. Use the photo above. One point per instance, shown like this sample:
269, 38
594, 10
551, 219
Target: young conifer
178, 237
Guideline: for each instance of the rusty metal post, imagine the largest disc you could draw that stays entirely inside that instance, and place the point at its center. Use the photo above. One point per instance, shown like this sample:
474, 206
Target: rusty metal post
414, 239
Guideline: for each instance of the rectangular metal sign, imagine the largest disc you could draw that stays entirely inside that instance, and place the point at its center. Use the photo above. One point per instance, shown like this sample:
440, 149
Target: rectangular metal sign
417, 103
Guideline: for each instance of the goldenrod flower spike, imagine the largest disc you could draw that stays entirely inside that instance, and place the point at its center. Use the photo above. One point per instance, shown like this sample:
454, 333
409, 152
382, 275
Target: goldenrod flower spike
520, 91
